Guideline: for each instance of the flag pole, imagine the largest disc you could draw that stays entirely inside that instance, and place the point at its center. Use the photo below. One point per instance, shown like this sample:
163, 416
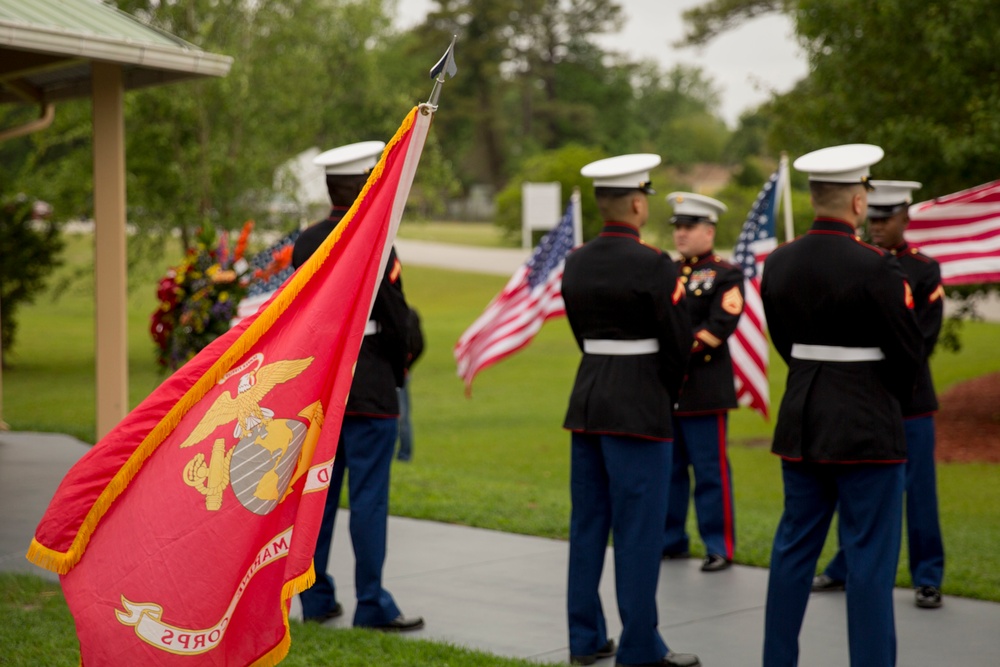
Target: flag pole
577, 216
444, 66
3, 425
786, 196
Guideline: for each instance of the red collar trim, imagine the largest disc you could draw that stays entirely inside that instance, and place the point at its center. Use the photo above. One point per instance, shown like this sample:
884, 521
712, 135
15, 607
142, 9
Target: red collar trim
832, 226
698, 259
620, 229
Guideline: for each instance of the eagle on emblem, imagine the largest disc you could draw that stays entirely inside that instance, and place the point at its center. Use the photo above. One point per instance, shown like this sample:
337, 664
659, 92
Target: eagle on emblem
245, 407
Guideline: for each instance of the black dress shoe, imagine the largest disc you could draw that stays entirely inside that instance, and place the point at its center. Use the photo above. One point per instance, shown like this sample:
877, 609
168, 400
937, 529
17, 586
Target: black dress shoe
605, 651
824, 583
676, 555
401, 624
928, 597
338, 610
715, 563
670, 660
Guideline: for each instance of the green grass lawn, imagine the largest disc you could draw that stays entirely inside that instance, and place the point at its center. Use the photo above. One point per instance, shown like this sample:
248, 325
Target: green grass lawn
483, 234
38, 630
499, 459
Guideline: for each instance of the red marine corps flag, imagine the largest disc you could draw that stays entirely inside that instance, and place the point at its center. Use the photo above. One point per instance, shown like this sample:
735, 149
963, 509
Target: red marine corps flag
182, 536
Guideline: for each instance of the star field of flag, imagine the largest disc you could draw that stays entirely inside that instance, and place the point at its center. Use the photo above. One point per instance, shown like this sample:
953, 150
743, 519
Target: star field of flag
262, 260
551, 250
758, 226
748, 345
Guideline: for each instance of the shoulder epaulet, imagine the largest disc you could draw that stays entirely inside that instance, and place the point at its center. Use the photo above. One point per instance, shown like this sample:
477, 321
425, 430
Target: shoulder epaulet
658, 251
916, 254
724, 262
871, 247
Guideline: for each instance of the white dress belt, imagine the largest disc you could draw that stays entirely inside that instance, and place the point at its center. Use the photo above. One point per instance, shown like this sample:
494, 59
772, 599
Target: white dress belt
836, 353
621, 347
372, 327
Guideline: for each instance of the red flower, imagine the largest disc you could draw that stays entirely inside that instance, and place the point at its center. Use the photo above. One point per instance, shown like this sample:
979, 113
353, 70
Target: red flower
167, 291
282, 258
241, 242
160, 329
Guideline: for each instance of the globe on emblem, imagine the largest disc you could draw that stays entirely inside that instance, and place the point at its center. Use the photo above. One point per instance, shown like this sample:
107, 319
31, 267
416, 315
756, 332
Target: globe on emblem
263, 463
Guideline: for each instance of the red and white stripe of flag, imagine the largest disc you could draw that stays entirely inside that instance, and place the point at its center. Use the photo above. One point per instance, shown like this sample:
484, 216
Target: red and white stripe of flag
509, 322
748, 346
962, 232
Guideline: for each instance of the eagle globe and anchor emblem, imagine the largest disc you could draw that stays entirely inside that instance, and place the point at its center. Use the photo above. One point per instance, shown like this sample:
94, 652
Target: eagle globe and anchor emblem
264, 462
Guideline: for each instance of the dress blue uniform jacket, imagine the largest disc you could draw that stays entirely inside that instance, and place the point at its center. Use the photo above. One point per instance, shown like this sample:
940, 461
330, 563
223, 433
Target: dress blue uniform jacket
859, 297
383, 356
617, 287
924, 276
714, 301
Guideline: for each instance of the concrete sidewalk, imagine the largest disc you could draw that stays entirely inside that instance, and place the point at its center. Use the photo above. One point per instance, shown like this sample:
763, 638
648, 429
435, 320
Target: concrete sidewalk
505, 593
495, 261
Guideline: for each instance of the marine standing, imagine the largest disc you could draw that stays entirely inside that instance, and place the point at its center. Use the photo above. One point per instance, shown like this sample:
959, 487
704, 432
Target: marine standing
623, 304
840, 313
368, 432
714, 300
888, 218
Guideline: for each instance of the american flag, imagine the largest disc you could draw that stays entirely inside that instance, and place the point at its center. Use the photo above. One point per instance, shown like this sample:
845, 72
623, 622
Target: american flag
748, 345
962, 232
265, 277
532, 296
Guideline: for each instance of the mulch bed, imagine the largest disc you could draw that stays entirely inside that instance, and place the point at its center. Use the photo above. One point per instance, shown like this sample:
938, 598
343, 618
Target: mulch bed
968, 422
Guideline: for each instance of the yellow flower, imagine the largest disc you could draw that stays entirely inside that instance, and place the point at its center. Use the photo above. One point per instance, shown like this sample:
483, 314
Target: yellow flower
226, 276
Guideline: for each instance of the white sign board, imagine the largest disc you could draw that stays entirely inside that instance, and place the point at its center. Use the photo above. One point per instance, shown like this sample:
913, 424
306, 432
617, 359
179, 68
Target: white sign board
541, 208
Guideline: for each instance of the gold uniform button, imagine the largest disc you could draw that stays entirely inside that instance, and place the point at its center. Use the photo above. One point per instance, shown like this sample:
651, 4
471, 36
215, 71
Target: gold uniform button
708, 357
698, 292
684, 279
687, 270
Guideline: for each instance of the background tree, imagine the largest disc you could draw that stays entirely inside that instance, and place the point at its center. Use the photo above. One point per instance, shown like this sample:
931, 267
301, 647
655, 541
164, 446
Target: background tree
679, 110
562, 166
27, 234
556, 33
476, 120
302, 75
532, 80
55, 164
707, 21
917, 77
204, 152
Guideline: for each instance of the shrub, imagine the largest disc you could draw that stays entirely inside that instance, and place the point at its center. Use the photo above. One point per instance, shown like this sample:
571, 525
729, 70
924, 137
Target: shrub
30, 244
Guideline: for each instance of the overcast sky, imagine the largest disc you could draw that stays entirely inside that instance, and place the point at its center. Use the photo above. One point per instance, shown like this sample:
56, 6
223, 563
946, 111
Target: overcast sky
745, 64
